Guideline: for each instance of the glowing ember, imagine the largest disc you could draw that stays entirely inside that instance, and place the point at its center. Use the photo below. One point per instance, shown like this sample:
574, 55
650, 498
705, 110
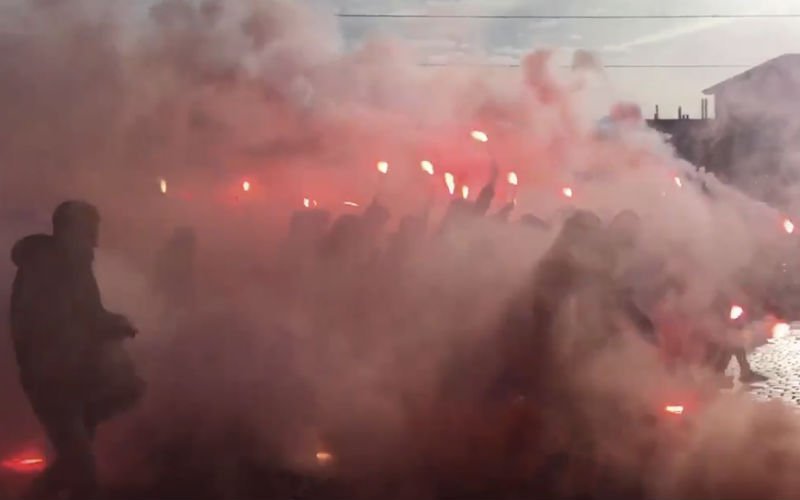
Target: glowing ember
678, 181
427, 167
306, 202
324, 458
351, 204
383, 167
788, 226
781, 330
736, 312
674, 409
163, 186
450, 180
246, 186
567, 191
465, 192
479, 136
25, 464
512, 179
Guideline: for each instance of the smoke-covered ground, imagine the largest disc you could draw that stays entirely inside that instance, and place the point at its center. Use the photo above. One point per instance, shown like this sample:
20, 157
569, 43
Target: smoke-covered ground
384, 361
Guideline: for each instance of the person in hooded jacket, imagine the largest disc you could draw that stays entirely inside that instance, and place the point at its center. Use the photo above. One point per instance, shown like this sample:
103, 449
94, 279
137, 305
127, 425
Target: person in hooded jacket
61, 334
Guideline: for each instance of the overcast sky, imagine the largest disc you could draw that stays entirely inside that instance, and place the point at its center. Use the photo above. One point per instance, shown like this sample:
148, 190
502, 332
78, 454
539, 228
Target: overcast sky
640, 41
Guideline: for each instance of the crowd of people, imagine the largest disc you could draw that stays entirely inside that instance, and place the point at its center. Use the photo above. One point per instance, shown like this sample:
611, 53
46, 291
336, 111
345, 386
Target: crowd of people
77, 374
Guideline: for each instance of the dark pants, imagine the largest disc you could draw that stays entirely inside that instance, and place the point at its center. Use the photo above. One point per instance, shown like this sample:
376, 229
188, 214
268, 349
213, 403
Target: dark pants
70, 427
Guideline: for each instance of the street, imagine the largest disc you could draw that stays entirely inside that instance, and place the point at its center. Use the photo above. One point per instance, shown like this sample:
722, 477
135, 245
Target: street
779, 359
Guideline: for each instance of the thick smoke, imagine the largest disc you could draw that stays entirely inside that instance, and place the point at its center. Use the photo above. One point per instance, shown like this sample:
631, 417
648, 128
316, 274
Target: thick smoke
280, 359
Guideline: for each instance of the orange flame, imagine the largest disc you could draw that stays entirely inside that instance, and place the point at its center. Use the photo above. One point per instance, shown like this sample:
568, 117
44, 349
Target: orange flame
162, 184
465, 192
567, 191
736, 312
427, 167
479, 136
324, 458
674, 409
781, 330
450, 181
513, 179
246, 186
788, 226
383, 167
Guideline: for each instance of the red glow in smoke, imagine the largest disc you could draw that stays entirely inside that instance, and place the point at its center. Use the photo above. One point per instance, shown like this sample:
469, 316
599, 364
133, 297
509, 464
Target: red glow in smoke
25, 463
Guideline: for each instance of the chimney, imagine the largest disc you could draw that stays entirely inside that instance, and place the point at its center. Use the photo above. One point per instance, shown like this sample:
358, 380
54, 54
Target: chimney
680, 112
655, 117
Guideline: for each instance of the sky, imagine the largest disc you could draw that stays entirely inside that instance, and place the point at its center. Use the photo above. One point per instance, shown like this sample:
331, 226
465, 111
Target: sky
616, 42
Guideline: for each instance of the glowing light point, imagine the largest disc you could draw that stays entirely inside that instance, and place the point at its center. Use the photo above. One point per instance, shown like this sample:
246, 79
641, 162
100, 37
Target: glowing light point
427, 167
674, 409
788, 226
479, 136
513, 179
383, 167
162, 184
567, 191
351, 204
324, 458
781, 330
465, 192
678, 181
306, 202
246, 186
736, 312
450, 181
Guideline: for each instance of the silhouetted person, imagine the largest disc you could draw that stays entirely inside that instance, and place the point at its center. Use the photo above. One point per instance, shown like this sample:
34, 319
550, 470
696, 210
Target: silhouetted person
527, 334
721, 351
504, 214
175, 269
403, 242
533, 222
63, 337
624, 232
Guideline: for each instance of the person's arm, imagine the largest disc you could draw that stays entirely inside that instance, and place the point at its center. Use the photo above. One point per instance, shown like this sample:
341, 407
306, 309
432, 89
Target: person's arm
486, 195
89, 306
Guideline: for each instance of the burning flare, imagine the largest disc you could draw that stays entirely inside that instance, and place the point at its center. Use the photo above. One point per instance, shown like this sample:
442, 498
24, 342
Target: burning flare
246, 186
426, 166
450, 181
324, 458
513, 179
28, 463
674, 409
788, 226
351, 204
465, 192
678, 181
781, 330
383, 167
736, 312
567, 191
479, 136
306, 202
162, 184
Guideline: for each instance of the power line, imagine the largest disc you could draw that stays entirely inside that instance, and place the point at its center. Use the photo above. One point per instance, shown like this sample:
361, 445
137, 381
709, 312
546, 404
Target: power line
598, 17
613, 66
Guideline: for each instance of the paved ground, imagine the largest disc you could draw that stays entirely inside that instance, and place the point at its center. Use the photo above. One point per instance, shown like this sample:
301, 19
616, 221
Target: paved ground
780, 360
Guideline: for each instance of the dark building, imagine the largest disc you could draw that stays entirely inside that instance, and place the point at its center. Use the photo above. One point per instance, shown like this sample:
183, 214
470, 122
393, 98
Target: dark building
753, 140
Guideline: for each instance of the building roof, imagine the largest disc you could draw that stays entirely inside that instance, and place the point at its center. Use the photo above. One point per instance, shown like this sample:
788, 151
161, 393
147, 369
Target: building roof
780, 64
